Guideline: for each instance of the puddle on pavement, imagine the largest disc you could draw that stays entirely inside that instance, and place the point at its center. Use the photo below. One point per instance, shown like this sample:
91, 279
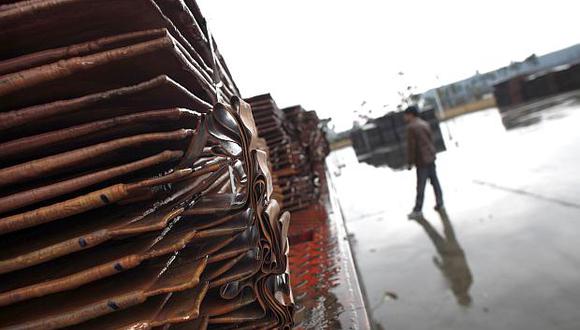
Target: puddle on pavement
504, 256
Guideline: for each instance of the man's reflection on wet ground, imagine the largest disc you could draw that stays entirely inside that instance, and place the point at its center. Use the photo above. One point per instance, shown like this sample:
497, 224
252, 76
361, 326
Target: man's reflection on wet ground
451, 260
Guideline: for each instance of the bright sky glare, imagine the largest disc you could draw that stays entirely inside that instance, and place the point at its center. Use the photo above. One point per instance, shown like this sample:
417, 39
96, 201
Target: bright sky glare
331, 55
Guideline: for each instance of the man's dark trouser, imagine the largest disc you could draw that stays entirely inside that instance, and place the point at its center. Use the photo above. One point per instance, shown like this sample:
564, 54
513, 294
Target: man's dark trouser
424, 172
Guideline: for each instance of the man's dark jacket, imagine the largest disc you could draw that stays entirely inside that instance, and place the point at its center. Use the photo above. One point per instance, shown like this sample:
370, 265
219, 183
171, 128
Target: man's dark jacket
420, 147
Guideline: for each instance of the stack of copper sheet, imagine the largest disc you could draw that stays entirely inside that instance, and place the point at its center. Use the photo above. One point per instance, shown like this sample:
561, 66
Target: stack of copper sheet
307, 184
297, 150
515, 93
133, 189
284, 151
272, 127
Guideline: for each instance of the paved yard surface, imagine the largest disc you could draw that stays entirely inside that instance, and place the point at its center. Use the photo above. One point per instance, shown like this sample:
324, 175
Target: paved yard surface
506, 255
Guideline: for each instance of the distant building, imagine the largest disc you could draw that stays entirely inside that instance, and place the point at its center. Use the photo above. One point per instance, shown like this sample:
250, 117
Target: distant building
478, 86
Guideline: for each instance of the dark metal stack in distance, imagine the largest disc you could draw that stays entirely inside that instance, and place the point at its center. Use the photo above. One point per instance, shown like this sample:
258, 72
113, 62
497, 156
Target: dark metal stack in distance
382, 141
134, 191
524, 92
509, 92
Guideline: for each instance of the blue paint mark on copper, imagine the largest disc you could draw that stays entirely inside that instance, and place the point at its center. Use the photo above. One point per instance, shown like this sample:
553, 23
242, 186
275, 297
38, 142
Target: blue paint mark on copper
113, 305
105, 199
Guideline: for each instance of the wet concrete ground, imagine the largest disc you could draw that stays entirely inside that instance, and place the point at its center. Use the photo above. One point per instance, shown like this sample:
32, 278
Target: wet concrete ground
507, 256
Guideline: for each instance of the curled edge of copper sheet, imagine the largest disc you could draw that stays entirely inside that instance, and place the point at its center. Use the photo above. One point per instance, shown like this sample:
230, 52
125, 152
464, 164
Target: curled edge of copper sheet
45, 166
28, 197
15, 84
143, 93
136, 15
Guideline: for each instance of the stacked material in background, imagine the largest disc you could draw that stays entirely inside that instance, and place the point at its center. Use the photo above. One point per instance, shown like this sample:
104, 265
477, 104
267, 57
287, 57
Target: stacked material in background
134, 193
298, 149
382, 141
525, 89
509, 92
273, 129
308, 185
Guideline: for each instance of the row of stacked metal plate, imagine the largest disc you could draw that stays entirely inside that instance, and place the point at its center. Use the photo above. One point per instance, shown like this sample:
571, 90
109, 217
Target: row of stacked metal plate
312, 138
134, 192
272, 127
297, 150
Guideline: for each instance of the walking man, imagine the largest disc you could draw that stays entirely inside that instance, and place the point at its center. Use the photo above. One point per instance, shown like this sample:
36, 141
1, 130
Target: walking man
421, 153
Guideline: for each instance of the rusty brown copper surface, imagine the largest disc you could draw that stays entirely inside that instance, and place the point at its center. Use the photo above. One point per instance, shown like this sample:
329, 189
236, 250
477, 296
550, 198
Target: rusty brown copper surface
134, 190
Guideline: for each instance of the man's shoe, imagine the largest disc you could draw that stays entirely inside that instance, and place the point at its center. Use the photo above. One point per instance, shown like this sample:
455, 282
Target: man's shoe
439, 208
415, 215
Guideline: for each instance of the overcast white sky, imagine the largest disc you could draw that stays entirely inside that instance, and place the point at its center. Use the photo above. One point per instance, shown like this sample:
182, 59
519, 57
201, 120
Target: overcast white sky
330, 55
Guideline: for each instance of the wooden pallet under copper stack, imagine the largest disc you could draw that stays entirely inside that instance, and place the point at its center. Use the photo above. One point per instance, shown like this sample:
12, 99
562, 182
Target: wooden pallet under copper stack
133, 189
